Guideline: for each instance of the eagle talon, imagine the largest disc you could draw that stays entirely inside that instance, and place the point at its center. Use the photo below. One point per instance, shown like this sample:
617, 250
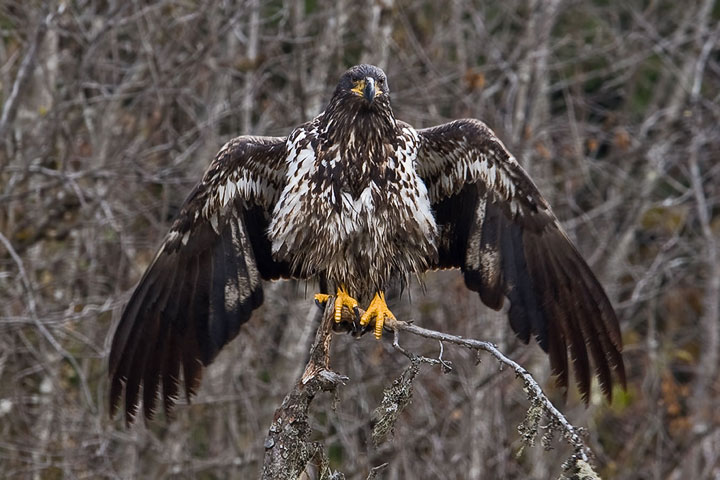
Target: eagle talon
321, 299
379, 310
342, 299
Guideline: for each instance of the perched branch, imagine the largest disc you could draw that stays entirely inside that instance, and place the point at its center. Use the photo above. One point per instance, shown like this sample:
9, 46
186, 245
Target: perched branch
536, 395
287, 450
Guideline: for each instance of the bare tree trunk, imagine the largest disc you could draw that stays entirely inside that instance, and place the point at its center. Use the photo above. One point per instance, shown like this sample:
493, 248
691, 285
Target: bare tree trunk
707, 368
248, 104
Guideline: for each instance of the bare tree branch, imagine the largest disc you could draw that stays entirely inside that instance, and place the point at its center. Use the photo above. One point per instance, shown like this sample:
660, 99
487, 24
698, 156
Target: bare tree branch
24, 72
532, 388
287, 449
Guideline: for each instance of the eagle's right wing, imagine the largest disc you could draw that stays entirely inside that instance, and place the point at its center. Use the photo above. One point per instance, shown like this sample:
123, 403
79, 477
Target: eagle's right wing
205, 279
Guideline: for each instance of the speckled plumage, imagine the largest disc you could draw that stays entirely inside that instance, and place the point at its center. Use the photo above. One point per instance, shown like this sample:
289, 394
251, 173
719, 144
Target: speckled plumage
356, 214
357, 198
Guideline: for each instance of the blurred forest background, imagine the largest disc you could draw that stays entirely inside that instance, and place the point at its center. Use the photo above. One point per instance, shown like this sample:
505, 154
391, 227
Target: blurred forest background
111, 110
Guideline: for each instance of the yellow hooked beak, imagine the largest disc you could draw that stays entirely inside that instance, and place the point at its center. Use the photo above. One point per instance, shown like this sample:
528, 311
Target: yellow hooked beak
366, 88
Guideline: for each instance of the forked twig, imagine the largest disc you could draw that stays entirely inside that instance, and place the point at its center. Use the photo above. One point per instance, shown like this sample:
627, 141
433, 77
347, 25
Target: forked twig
531, 385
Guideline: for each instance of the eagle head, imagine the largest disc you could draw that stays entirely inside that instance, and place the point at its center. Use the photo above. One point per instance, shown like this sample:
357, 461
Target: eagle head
365, 84
361, 104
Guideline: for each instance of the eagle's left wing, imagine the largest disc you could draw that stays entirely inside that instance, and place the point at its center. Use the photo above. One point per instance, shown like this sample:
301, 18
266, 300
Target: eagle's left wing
205, 279
497, 228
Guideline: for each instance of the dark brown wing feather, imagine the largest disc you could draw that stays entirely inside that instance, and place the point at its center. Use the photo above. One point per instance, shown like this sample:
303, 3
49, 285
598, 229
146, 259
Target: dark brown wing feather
205, 280
500, 231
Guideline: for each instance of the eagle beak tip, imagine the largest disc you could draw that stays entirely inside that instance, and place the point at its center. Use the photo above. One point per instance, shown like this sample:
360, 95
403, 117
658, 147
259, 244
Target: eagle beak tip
369, 90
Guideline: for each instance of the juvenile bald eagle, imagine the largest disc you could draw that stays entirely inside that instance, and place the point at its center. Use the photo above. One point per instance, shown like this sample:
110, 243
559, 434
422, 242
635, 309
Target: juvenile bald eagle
356, 198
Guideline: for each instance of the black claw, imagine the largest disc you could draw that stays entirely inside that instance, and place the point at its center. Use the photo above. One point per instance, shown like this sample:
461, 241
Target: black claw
320, 305
366, 328
357, 313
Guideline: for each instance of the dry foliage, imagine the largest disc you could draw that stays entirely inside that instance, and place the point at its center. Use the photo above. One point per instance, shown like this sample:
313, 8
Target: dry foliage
111, 111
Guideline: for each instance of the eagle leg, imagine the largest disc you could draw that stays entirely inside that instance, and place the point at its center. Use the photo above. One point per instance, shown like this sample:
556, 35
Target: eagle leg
379, 310
342, 299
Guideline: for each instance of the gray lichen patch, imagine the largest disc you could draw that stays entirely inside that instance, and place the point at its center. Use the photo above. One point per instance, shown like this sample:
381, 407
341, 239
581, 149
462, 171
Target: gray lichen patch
395, 399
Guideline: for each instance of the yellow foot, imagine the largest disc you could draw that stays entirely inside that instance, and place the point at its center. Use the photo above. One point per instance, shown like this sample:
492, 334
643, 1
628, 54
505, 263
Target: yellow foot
342, 299
379, 310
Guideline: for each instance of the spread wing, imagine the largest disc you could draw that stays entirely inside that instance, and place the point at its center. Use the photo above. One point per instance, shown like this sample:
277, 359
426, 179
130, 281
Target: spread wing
497, 228
205, 279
